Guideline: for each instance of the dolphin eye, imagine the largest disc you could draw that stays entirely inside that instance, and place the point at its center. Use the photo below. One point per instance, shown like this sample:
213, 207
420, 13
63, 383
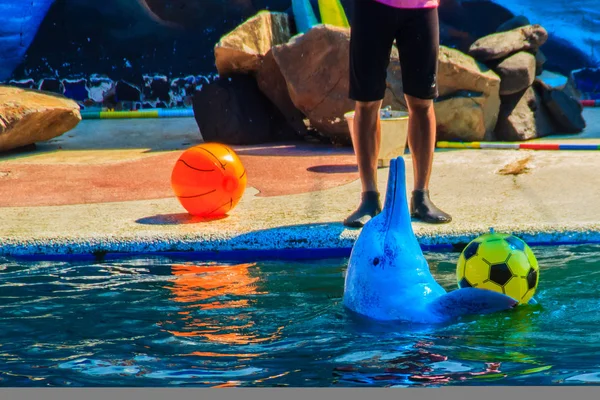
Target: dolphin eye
375, 261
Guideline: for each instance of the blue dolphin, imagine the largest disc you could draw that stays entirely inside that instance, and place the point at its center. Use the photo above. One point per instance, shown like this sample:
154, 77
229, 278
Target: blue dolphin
388, 278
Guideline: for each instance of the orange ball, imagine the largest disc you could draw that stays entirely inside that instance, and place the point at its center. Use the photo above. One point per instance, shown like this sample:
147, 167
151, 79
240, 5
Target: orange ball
209, 179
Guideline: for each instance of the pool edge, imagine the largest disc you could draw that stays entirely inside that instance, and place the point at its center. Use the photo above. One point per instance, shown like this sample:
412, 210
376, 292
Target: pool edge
253, 245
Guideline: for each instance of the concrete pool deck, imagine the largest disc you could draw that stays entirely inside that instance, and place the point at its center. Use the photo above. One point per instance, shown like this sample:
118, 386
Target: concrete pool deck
105, 187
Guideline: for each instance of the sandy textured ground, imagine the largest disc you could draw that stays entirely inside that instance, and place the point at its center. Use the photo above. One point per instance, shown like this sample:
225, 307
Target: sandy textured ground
72, 196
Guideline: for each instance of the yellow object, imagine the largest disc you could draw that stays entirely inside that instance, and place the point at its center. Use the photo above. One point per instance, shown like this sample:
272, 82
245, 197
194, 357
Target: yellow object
128, 114
459, 145
332, 13
499, 262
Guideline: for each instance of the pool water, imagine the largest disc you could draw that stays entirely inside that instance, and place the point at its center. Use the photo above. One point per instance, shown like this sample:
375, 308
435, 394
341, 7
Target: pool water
167, 322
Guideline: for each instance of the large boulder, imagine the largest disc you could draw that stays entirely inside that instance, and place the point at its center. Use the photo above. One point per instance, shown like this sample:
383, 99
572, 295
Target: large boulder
463, 22
565, 110
312, 80
29, 116
234, 111
459, 73
242, 50
315, 68
272, 83
500, 45
586, 81
540, 61
461, 117
469, 101
523, 117
517, 73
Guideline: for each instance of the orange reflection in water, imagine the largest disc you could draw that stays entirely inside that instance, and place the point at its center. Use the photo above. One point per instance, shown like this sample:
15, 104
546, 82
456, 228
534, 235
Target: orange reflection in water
215, 287
198, 283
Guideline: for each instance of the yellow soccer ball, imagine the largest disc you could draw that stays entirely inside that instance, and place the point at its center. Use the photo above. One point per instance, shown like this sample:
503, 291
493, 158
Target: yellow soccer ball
499, 262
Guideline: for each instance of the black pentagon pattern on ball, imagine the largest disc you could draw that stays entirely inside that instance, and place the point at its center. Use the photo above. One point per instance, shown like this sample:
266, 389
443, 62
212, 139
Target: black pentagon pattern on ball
532, 278
464, 283
515, 243
500, 273
471, 250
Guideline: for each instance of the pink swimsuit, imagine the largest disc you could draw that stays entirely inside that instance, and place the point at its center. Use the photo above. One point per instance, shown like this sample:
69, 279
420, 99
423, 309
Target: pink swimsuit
410, 3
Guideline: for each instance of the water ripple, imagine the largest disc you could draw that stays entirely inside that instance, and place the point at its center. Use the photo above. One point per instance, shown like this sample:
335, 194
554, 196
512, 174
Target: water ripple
156, 321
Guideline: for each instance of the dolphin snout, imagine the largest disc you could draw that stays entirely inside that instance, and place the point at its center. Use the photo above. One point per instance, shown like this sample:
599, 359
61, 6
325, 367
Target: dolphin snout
395, 209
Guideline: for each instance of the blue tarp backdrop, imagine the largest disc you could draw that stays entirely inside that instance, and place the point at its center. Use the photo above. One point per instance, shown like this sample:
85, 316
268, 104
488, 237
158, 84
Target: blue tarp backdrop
574, 21
20, 21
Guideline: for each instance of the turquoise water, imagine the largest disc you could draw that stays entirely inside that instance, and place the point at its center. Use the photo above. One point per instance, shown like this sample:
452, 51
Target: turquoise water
163, 322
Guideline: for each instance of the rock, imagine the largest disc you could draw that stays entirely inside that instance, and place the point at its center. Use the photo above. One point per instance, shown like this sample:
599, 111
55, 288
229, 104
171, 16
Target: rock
540, 86
514, 23
242, 50
566, 111
26, 83
459, 72
540, 60
517, 73
500, 45
462, 22
469, 95
99, 84
456, 38
76, 89
461, 117
586, 81
570, 88
523, 117
156, 88
315, 67
234, 111
29, 116
273, 85
121, 92
52, 85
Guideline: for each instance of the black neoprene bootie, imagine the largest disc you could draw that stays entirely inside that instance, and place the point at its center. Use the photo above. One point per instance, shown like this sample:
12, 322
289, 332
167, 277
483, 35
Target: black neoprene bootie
369, 207
423, 209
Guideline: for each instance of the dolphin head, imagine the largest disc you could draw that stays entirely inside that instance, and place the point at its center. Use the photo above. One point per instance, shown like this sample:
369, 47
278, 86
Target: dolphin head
387, 275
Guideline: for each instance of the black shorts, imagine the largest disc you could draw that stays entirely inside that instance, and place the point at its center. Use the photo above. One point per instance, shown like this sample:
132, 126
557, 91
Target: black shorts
373, 30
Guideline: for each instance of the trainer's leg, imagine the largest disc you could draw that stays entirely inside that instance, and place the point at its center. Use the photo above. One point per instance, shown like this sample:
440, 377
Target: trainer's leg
366, 140
371, 37
421, 138
418, 44
421, 141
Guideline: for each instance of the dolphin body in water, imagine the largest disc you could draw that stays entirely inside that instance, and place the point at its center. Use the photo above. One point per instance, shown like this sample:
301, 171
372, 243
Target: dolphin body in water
388, 278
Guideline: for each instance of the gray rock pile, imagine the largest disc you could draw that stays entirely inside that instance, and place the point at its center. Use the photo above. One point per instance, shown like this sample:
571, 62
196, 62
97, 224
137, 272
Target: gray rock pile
489, 93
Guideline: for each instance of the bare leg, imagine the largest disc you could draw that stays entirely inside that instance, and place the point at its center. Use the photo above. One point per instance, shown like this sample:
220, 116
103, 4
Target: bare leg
366, 141
421, 141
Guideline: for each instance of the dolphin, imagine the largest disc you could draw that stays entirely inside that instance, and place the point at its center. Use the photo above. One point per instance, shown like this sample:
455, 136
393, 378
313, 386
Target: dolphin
388, 278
